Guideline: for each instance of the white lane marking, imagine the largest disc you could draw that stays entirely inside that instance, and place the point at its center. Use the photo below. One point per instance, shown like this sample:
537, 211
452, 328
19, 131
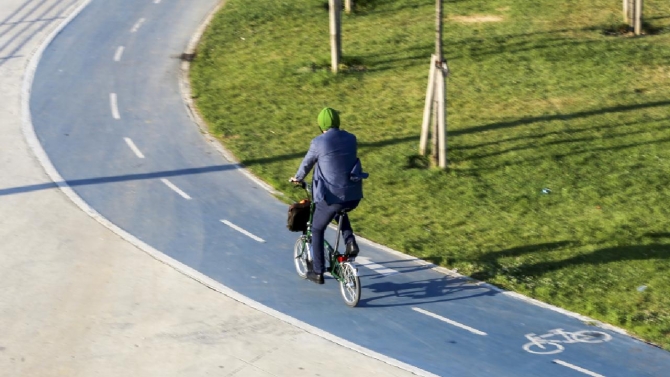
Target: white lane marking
579, 369
378, 268
115, 106
133, 147
176, 189
137, 25
237, 228
449, 321
118, 54
157, 1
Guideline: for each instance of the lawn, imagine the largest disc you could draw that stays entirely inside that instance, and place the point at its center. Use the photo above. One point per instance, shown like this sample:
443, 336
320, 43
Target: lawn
559, 136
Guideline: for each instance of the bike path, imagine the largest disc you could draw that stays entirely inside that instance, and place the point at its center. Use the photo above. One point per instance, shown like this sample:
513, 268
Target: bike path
86, 106
78, 300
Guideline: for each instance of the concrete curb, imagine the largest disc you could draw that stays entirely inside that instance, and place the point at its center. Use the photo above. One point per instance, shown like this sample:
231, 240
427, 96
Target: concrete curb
185, 87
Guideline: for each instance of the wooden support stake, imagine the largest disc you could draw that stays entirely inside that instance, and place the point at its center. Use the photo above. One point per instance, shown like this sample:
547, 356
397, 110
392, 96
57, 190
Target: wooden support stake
348, 5
335, 31
441, 116
629, 12
626, 12
637, 27
428, 106
434, 111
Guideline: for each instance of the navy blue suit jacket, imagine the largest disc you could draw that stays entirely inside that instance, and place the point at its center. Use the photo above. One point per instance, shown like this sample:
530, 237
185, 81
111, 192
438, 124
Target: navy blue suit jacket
335, 155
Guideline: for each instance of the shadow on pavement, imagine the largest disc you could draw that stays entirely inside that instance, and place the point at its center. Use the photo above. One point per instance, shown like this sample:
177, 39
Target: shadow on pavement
118, 178
422, 292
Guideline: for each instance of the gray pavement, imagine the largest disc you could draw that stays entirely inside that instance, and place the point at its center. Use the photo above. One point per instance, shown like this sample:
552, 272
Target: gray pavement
77, 300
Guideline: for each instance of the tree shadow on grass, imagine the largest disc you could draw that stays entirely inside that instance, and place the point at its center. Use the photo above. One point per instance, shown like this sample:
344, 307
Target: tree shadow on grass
492, 267
561, 117
543, 146
420, 55
599, 257
559, 156
545, 153
474, 47
362, 146
537, 136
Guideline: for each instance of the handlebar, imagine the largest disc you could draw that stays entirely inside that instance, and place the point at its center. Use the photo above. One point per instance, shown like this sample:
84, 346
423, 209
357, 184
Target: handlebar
302, 184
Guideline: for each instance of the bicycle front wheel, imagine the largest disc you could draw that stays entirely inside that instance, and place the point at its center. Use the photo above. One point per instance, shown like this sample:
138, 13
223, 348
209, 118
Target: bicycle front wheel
350, 285
300, 251
537, 348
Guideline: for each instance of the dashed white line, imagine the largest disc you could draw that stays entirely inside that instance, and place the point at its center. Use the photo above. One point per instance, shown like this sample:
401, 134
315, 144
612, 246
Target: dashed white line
579, 369
115, 106
378, 268
157, 1
237, 228
449, 321
133, 147
137, 25
118, 54
176, 189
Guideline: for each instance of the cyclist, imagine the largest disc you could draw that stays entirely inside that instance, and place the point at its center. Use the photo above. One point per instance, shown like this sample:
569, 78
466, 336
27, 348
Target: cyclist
336, 185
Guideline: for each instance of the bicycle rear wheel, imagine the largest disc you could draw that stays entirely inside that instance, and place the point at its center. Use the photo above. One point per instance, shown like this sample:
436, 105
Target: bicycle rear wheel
350, 285
300, 251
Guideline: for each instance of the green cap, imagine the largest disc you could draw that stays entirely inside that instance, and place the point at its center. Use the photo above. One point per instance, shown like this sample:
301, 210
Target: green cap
328, 118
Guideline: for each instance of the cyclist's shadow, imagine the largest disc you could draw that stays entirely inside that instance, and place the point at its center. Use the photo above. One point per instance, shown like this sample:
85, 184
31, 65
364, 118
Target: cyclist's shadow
422, 292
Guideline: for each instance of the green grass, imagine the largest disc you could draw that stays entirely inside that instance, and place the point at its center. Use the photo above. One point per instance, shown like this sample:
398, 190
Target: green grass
541, 99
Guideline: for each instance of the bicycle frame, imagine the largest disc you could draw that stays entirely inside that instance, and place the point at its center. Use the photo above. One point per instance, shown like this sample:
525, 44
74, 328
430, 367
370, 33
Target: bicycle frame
335, 259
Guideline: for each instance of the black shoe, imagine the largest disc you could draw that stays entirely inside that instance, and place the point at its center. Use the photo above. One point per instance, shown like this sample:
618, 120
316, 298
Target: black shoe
352, 249
313, 276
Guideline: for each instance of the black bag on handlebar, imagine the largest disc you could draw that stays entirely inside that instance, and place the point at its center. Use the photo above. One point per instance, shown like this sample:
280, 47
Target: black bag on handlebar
298, 216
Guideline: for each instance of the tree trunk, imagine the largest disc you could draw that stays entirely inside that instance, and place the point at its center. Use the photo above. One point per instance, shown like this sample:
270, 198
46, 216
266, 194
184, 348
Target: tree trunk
637, 23
438, 30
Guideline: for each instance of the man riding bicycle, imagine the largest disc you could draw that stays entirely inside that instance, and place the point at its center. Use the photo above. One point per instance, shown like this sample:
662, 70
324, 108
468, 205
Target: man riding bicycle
336, 185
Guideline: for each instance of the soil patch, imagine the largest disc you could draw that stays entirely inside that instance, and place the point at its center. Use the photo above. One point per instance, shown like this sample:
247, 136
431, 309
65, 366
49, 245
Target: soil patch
476, 18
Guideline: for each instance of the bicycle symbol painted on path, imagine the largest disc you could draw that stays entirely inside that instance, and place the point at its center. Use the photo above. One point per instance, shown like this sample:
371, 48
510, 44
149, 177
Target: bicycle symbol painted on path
540, 344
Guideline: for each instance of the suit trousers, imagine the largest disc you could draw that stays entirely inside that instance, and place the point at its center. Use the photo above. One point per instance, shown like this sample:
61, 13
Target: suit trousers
324, 213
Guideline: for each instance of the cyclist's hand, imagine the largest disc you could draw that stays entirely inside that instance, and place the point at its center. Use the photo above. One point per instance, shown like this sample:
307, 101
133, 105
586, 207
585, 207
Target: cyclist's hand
295, 181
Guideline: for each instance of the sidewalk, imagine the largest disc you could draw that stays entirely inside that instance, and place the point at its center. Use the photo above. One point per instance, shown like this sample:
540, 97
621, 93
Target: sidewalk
77, 300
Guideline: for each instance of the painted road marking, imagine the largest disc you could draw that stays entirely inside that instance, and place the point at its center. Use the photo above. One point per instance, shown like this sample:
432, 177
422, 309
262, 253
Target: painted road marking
449, 321
115, 106
118, 54
237, 228
157, 1
579, 369
378, 268
133, 147
176, 189
137, 25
